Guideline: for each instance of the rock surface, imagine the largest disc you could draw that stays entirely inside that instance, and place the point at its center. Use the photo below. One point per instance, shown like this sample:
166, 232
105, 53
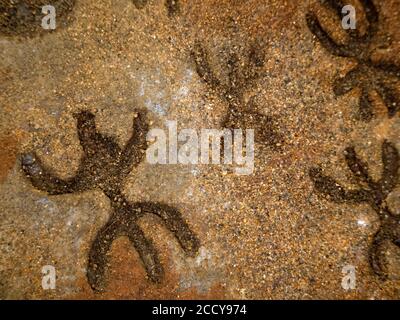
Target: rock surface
265, 235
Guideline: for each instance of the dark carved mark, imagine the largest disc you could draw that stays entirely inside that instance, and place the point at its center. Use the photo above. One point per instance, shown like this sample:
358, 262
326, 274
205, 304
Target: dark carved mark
104, 165
369, 75
172, 6
372, 192
139, 4
24, 17
241, 75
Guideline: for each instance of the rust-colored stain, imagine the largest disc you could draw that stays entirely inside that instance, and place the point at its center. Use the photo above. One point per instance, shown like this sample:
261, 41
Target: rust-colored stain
9, 146
127, 280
